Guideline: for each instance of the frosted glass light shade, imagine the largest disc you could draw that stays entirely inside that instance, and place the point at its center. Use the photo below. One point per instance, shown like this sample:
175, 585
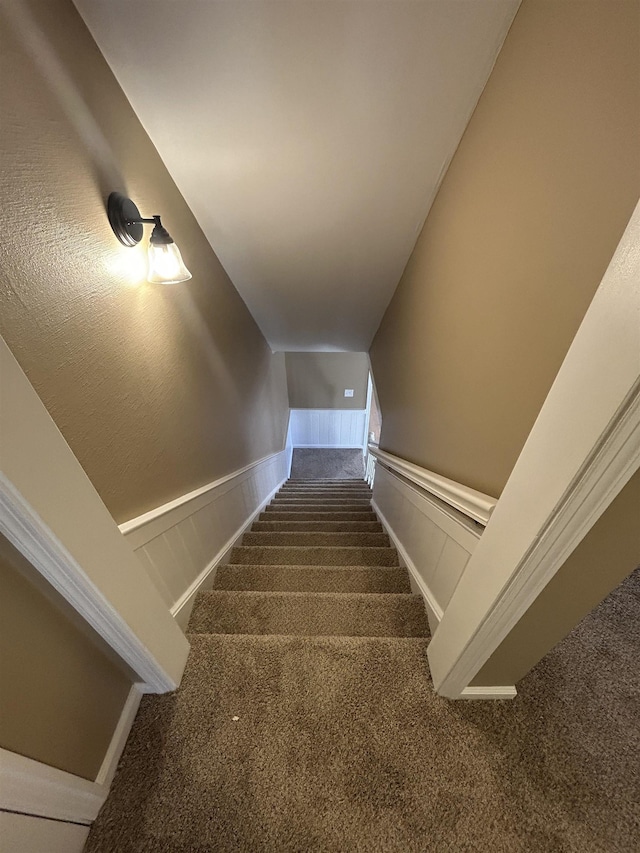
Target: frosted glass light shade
166, 265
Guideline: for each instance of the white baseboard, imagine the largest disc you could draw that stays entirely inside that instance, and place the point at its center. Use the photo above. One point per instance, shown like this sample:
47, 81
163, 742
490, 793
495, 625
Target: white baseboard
110, 764
21, 833
33, 788
503, 692
181, 610
434, 611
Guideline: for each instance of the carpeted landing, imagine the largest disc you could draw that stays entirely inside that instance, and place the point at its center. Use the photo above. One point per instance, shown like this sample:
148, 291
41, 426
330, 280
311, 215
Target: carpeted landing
306, 721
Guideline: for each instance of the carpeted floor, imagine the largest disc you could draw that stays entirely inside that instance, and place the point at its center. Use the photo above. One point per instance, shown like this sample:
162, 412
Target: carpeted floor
282, 738
310, 463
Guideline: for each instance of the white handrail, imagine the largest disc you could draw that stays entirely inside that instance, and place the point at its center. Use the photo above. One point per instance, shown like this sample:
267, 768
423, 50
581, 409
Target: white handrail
469, 501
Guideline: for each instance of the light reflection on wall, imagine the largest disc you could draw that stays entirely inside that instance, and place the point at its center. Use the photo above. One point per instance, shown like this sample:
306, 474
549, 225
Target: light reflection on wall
128, 266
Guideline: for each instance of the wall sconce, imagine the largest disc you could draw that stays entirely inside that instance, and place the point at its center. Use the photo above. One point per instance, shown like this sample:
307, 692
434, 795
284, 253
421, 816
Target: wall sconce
165, 261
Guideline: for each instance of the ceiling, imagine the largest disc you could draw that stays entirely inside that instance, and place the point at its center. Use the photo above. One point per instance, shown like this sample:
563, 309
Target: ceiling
307, 136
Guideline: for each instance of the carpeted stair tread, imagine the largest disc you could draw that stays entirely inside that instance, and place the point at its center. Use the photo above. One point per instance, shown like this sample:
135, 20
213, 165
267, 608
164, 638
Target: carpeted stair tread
320, 507
326, 526
294, 555
315, 515
328, 496
309, 613
321, 490
380, 579
315, 538
320, 481
314, 497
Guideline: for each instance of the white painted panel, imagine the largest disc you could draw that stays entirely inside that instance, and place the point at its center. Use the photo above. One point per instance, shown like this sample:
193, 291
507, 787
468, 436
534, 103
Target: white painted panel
181, 543
434, 542
448, 572
155, 575
26, 834
328, 427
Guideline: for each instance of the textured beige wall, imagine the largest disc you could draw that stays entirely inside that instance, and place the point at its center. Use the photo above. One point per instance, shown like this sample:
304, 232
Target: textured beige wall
158, 390
317, 380
521, 232
62, 693
607, 554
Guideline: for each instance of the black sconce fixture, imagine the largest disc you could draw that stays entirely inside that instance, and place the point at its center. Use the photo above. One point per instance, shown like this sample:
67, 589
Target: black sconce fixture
165, 261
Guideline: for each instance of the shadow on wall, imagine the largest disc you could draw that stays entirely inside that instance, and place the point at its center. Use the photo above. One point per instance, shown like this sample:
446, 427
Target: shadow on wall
55, 77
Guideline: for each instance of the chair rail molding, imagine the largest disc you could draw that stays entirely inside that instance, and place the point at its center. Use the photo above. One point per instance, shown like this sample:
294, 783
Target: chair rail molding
181, 543
582, 450
476, 505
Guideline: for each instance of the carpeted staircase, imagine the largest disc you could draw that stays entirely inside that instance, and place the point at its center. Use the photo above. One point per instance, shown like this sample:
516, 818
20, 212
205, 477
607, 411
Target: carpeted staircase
317, 563
306, 721
307, 628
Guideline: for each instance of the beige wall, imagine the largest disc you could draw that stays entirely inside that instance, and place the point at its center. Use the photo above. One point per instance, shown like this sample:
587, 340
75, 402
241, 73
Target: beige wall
607, 554
158, 390
62, 692
521, 232
317, 380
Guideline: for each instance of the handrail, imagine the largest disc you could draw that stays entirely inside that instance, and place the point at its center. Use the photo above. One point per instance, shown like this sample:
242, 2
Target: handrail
469, 501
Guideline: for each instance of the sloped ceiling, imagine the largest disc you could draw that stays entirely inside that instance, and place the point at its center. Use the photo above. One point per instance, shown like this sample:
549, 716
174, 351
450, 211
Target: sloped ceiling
307, 136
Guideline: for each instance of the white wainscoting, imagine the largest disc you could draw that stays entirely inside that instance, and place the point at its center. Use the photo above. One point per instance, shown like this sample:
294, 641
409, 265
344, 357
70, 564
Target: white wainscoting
328, 427
181, 543
434, 541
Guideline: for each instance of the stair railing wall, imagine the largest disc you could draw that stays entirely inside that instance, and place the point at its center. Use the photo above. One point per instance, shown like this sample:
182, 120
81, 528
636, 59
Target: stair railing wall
434, 522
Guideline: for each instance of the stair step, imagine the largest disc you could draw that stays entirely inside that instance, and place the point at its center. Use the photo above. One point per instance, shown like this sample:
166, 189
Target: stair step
326, 526
321, 507
294, 555
316, 538
313, 578
322, 481
344, 489
320, 493
322, 499
313, 515
351, 614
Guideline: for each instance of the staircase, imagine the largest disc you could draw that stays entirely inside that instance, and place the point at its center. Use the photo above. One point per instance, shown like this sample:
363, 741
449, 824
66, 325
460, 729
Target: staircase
294, 728
316, 563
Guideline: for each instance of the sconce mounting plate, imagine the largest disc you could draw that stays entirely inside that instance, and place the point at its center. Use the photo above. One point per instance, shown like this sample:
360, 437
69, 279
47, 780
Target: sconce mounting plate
123, 214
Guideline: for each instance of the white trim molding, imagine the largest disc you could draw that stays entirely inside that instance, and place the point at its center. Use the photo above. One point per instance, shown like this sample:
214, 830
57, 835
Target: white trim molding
50, 511
118, 741
583, 449
20, 833
180, 544
33, 788
505, 692
476, 505
35, 541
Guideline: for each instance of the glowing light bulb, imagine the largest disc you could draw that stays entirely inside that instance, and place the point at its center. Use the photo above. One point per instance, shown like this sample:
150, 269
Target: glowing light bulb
166, 265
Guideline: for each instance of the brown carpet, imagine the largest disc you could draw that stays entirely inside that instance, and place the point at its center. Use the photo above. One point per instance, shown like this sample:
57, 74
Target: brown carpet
311, 462
333, 744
